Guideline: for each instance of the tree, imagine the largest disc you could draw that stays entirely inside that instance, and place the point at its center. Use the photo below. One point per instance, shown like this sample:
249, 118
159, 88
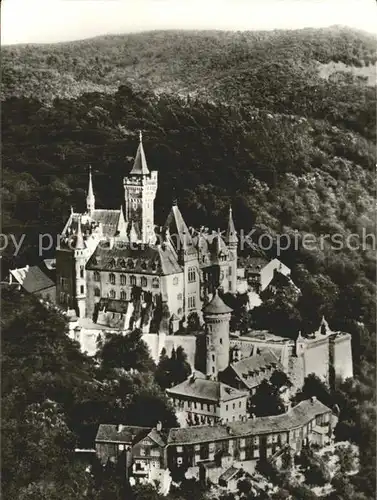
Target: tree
125, 351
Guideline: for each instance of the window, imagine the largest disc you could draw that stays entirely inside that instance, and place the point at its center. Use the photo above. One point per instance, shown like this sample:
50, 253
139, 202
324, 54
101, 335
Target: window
230, 271
239, 404
97, 292
191, 275
122, 263
143, 281
123, 295
179, 296
175, 280
132, 280
234, 406
213, 357
122, 279
221, 341
112, 294
191, 302
213, 369
112, 278
142, 452
155, 283
226, 407
81, 271
179, 460
130, 263
179, 449
197, 447
82, 289
96, 276
121, 447
179, 311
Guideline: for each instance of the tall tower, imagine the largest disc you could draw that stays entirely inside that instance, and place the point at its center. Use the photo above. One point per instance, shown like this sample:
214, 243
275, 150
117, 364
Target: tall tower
232, 241
216, 318
90, 199
80, 258
140, 188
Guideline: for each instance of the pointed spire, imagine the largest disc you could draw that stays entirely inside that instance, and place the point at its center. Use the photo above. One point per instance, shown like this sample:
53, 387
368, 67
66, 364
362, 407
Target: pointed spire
80, 245
231, 233
121, 229
90, 199
133, 233
140, 164
71, 210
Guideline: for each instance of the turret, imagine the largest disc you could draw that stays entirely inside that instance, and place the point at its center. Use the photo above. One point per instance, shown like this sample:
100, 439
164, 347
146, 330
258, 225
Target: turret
232, 242
216, 317
90, 199
80, 258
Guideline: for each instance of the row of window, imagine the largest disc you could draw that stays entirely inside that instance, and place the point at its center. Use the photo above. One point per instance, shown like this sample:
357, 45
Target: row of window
132, 280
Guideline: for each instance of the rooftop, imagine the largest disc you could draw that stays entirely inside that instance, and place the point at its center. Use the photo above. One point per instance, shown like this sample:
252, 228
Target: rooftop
128, 434
297, 416
251, 370
130, 258
216, 306
32, 279
208, 390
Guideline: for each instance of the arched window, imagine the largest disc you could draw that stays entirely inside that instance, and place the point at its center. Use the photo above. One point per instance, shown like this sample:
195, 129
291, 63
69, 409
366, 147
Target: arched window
122, 279
123, 295
132, 280
155, 283
112, 278
96, 276
143, 281
112, 294
97, 292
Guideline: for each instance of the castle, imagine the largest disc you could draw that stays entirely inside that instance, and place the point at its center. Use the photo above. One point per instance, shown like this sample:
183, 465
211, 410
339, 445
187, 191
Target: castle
107, 258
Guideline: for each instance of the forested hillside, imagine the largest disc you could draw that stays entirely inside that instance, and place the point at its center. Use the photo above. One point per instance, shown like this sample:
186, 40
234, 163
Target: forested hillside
248, 119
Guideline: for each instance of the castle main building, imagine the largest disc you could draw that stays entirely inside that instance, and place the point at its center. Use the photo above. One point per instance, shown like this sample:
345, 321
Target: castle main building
106, 259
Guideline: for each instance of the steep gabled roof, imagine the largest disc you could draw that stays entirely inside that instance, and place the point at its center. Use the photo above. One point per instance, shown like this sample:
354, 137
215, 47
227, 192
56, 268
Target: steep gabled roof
178, 229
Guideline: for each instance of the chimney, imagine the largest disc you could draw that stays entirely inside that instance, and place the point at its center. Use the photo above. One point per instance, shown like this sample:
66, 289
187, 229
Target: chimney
120, 428
193, 377
313, 399
159, 426
27, 267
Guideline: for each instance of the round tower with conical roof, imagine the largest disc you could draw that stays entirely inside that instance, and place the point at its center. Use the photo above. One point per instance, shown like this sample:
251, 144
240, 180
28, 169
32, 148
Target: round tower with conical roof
216, 317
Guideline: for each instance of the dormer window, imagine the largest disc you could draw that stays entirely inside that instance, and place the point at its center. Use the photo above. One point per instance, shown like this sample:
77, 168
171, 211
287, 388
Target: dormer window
122, 263
144, 265
113, 262
130, 263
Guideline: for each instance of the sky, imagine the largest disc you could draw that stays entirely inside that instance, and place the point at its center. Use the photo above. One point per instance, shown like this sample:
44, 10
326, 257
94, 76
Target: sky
46, 21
